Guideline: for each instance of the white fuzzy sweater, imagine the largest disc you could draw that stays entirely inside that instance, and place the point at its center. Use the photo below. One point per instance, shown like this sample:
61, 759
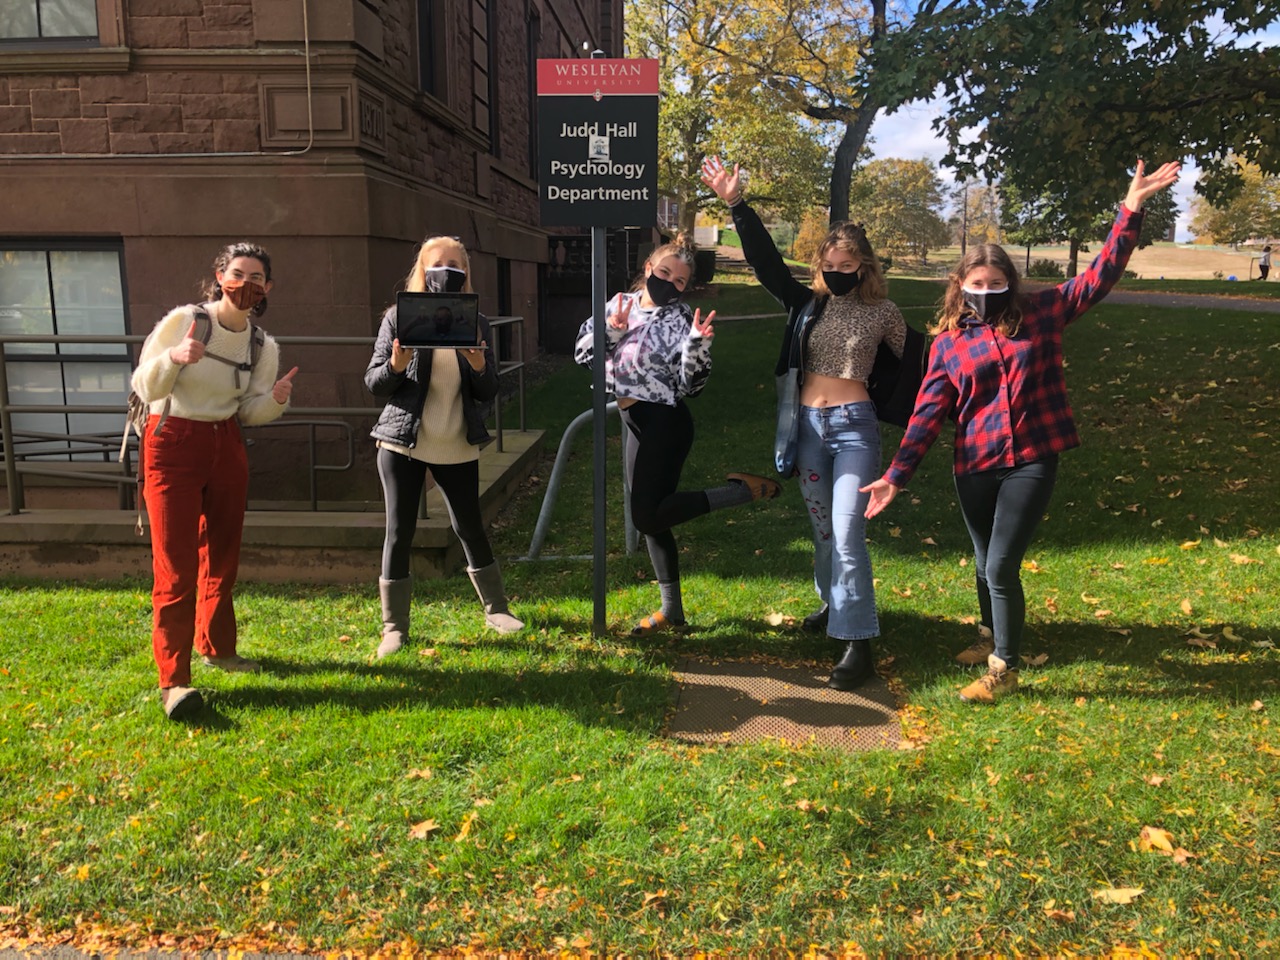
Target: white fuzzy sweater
206, 390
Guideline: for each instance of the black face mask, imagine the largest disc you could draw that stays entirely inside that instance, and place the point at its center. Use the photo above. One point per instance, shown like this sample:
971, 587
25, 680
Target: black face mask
445, 279
988, 304
841, 283
662, 292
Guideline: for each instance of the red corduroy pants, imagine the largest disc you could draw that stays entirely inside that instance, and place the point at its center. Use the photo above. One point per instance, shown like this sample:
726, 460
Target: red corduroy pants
196, 484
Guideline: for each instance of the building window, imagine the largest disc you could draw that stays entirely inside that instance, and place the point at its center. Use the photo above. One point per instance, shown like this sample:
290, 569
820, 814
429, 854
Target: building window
432, 30
49, 20
65, 289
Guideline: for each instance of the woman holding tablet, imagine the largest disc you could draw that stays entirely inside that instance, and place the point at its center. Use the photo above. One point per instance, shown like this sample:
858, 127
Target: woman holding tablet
433, 419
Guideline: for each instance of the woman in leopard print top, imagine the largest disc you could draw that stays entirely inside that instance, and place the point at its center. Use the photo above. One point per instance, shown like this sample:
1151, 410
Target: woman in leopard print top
836, 326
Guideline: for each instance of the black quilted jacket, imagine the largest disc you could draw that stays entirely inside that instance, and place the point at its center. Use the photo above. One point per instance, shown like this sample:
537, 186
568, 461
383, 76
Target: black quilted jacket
405, 393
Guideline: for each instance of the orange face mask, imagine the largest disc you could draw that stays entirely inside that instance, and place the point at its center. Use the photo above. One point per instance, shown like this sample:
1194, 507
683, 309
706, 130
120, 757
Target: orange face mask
243, 294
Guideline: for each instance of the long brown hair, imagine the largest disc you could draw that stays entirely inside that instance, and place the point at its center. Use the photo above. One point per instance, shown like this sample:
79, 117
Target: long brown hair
953, 305
416, 281
852, 239
212, 290
681, 248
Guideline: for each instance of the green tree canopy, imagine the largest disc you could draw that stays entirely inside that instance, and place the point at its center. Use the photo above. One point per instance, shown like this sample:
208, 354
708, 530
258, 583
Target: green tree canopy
899, 202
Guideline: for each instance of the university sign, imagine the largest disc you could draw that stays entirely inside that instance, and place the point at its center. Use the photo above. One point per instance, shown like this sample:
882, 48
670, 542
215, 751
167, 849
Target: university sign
598, 142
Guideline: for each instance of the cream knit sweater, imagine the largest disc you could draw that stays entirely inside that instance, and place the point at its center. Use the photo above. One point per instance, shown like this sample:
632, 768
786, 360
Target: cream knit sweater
206, 390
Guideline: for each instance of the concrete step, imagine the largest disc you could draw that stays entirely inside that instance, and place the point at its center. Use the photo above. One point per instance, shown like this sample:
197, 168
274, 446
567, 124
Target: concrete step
282, 545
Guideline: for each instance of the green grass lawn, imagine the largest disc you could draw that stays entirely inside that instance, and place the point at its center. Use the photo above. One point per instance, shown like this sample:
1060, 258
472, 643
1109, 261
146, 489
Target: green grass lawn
487, 792
1219, 288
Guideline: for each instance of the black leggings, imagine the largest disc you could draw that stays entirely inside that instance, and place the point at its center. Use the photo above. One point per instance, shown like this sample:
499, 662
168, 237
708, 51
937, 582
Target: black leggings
661, 438
402, 479
1002, 509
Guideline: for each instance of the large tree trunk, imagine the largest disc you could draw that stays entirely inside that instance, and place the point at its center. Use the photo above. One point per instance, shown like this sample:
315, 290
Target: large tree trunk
1073, 258
855, 135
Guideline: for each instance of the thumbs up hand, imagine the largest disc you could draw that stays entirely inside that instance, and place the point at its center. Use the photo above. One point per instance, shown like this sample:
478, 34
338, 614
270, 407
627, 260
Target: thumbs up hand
190, 350
283, 388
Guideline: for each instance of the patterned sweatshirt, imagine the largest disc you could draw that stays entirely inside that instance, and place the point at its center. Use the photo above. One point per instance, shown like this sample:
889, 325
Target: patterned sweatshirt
659, 358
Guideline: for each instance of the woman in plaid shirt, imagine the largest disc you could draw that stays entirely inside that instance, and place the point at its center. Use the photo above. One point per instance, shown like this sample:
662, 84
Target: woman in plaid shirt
996, 369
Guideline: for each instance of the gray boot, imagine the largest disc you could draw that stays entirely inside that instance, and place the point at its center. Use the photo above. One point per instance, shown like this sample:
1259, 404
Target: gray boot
396, 595
488, 584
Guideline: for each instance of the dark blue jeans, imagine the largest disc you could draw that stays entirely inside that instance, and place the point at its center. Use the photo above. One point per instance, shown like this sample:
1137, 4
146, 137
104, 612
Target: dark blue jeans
1002, 509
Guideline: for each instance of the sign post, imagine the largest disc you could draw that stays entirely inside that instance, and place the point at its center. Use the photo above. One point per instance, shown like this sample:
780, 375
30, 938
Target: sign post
598, 168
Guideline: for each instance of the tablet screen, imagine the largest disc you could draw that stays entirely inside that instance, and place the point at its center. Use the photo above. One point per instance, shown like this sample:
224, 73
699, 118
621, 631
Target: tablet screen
437, 319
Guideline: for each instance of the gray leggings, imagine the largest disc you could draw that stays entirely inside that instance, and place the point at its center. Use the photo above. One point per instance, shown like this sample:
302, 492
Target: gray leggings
1002, 509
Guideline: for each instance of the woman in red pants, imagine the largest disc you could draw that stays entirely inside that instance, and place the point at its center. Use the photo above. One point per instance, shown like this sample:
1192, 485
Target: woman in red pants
204, 371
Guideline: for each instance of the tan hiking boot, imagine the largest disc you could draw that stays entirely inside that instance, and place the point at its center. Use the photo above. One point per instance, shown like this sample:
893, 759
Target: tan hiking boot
233, 664
998, 681
181, 703
982, 648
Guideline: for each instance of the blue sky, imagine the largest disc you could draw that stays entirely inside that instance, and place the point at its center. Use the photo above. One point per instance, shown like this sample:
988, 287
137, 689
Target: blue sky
908, 134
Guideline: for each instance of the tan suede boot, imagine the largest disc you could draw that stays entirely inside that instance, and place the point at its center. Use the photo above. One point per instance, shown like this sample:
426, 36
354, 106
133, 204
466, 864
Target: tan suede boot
396, 597
488, 584
997, 682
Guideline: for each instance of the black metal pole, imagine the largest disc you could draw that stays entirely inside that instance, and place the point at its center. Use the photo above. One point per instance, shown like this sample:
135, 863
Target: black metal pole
598, 298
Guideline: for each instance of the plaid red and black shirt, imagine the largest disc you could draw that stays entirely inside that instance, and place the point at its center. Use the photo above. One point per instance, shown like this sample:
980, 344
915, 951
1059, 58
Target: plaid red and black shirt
1008, 395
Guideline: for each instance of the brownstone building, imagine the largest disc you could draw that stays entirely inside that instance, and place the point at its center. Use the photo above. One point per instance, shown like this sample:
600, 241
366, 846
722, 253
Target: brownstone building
139, 136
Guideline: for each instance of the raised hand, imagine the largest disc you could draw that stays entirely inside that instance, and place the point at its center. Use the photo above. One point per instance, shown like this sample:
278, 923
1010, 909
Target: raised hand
190, 350
725, 184
400, 356
882, 494
702, 327
1144, 187
475, 355
619, 320
283, 388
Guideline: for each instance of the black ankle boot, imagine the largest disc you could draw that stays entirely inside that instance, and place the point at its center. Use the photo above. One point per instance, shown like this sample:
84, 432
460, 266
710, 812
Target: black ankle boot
817, 621
854, 667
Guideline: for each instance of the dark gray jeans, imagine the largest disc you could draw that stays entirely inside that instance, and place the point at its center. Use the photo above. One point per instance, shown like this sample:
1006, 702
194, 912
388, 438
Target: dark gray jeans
1002, 509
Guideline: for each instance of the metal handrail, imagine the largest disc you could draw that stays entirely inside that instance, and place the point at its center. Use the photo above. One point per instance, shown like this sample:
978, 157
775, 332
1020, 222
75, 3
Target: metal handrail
15, 464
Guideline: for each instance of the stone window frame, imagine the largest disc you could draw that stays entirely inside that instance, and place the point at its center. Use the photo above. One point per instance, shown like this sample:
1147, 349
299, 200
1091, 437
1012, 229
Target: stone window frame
442, 51
51, 353
108, 54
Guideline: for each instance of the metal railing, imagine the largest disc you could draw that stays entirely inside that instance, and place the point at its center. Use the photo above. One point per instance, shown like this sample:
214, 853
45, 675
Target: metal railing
18, 464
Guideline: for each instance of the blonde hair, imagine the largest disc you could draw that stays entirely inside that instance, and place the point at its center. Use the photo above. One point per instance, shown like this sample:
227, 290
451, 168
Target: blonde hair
852, 239
953, 305
681, 248
416, 281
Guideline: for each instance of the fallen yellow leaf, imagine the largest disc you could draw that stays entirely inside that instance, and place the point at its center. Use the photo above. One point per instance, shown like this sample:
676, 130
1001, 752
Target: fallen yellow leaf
895, 531
465, 831
1088, 599
420, 831
1117, 894
419, 774
774, 619
1257, 705
1241, 559
1185, 607
1197, 642
1155, 779
1155, 838
1036, 661
1189, 544
1229, 634
1100, 614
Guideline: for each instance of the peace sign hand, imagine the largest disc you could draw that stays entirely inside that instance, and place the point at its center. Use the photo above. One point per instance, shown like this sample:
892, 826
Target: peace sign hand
190, 350
703, 328
1144, 187
618, 320
727, 186
283, 388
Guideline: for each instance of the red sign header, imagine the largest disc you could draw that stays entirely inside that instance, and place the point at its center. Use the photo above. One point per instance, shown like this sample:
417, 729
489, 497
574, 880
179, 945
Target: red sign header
597, 78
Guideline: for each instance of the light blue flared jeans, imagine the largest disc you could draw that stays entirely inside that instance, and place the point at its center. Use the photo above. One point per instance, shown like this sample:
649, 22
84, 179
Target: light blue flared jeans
838, 451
